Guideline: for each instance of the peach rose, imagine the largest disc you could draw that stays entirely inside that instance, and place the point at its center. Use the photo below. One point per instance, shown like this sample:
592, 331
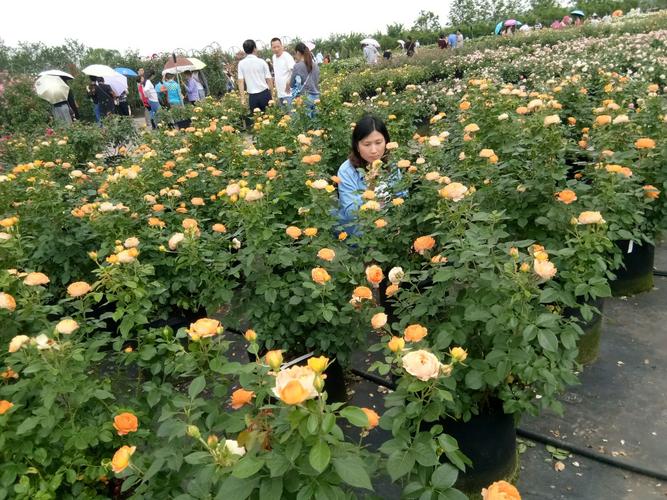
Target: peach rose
131, 242
254, 195
67, 326
319, 184
36, 279
500, 490
293, 232
551, 120
241, 397
121, 459
326, 254
378, 320
17, 342
125, 423
645, 143
373, 418
649, 192
320, 275
566, 196
454, 191
310, 231
175, 240
544, 269
421, 364
219, 228
590, 218
7, 302
295, 385
414, 333
78, 288
204, 327
380, 223
374, 275
423, 243
361, 293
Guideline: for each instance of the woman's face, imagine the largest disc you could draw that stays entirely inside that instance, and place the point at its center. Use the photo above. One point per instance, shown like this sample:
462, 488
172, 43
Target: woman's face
298, 56
372, 147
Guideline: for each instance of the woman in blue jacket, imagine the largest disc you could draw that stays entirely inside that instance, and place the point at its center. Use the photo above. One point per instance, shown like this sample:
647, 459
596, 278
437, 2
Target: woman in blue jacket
357, 174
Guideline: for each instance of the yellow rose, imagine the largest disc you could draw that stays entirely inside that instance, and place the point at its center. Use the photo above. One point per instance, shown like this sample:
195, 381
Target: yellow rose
320, 275
121, 459
590, 218
458, 354
326, 254
318, 365
396, 344
250, 335
274, 359
203, 328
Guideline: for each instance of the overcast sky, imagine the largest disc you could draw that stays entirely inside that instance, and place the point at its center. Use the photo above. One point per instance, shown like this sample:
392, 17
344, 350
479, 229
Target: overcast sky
158, 26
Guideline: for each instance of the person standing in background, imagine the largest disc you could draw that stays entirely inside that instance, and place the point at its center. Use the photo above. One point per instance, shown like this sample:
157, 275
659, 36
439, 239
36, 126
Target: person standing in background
173, 90
191, 88
306, 77
283, 64
452, 40
254, 75
459, 39
151, 97
371, 54
410, 47
140, 88
442, 41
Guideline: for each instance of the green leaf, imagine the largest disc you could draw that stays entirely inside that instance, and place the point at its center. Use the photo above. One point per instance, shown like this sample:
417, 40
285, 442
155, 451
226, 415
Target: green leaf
198, 457
355, 416
247, 466
474, 380
27, 425
444, 476
271, 488
319, 456
547, 340
237, 489
196, 386
400, 463
352, 470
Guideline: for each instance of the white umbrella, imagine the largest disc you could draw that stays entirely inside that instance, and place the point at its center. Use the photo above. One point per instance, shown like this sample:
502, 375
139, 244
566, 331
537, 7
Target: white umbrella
51, 88
310, 45
370, 41
197, 63
100, 70
117, 82
56, 72
401, 42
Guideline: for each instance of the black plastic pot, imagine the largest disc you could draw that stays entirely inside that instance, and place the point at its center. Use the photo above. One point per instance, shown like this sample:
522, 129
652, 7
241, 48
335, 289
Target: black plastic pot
589, 342
183, 123
636, 273
489, 440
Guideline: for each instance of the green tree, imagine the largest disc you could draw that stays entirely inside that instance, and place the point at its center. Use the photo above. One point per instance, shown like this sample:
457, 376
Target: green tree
427, 21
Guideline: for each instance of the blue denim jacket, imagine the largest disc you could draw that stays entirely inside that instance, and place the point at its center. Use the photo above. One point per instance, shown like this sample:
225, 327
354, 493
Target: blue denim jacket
351, 185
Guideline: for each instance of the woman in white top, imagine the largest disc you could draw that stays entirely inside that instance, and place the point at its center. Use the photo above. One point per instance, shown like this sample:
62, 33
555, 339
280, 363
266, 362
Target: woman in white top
151, 95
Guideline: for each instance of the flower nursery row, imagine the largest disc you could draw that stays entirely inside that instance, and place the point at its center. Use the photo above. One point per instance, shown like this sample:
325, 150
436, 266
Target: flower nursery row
474, 280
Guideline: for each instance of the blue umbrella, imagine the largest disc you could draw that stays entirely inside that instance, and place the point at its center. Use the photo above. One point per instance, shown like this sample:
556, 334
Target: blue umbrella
499, 26
126, 71
577, 12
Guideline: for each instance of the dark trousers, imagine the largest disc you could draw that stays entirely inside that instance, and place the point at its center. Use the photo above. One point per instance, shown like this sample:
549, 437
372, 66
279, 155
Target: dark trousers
260, 100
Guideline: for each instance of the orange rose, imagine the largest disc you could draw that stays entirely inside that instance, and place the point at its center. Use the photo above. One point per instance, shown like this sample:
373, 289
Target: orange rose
125, 423
362, 292
423, 243
500, 490
649, 192
464, 106
155, 222
320, 275
121, 459
603, 120
380, 223
310, 231
241, 397
326, 254
373, 418
391, 290
5, 406
566, 196
293, 232
645, 143
78, 288
219, 228
414, 333
190, 224
342, 236
374, 275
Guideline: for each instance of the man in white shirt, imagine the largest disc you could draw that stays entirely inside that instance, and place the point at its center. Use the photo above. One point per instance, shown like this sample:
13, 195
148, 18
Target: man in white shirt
283, 62
371, 54
255, 75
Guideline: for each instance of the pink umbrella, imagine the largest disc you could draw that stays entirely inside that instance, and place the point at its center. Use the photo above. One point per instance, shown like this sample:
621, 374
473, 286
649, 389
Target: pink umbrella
511, 22
556, 25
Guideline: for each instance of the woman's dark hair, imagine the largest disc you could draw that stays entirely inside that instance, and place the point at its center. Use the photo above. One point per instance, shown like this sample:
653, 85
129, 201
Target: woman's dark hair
364, 127
249, 46
307, 55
